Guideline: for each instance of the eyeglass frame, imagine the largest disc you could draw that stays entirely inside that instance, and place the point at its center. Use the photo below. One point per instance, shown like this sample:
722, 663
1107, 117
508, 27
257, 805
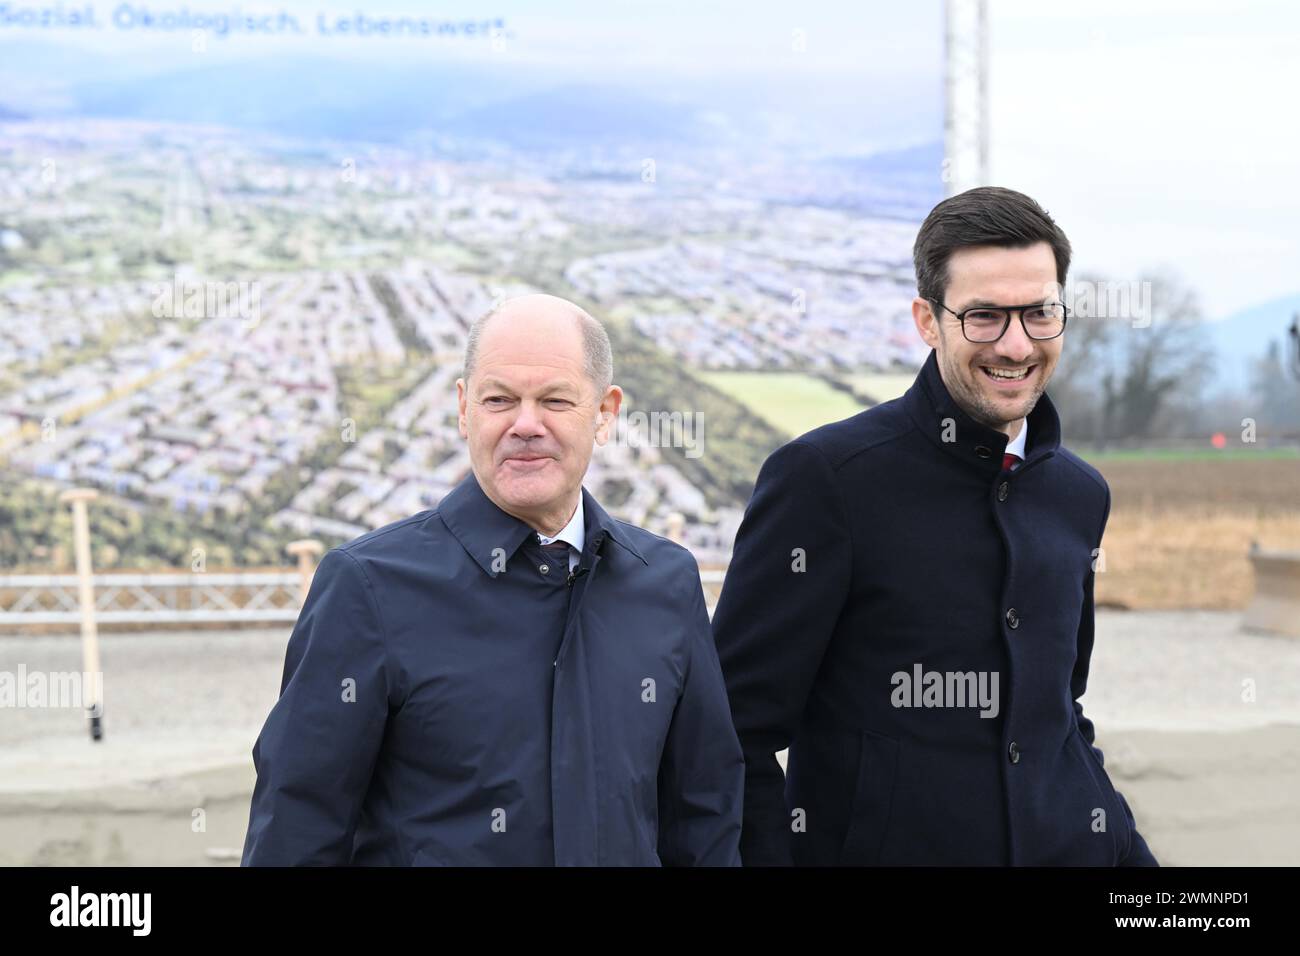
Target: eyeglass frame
1019, 311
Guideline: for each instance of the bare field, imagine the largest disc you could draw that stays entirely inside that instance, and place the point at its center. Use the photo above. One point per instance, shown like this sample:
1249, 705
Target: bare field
1180, 531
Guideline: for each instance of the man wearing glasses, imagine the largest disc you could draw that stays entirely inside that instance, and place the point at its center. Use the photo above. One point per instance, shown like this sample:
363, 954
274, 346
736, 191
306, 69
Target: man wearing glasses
909, 605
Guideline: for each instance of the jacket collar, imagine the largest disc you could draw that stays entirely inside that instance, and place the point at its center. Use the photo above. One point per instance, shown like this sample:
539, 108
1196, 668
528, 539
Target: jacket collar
481, 527
950, 429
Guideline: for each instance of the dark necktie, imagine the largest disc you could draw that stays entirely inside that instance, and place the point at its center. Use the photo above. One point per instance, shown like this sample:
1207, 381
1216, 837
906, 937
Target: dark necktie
557, 551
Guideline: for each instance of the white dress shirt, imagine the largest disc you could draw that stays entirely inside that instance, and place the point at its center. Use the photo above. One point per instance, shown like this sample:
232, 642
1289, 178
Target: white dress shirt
1016, 446
575, 533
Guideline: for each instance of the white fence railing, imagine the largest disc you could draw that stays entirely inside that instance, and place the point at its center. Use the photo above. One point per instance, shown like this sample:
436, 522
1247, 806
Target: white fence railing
255, 597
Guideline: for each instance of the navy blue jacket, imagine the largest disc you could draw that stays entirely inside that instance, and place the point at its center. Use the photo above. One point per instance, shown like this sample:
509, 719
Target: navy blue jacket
893, 543
470, 739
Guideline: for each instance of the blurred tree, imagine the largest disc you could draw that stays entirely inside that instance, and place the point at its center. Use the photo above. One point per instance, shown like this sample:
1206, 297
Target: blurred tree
1275, 393
1136, 372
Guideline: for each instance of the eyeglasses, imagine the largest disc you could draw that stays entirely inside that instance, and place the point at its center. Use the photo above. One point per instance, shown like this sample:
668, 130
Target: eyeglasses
1041, 321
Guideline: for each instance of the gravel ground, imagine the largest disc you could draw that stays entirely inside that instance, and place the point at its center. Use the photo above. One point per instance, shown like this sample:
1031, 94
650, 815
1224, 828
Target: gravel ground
1212, 778
1185, 670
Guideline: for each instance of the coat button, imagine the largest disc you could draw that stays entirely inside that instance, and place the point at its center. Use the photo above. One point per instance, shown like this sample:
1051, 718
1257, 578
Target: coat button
1013, 619
1013, 752
1004, 489
983, 451
544, 568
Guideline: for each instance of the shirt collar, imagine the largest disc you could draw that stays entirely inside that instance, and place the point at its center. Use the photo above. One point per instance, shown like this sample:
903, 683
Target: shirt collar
575, 532
1017, 445
943, 422
488, 533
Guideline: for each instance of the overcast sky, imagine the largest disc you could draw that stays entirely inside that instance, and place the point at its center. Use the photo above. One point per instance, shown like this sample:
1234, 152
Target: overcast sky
1157, 133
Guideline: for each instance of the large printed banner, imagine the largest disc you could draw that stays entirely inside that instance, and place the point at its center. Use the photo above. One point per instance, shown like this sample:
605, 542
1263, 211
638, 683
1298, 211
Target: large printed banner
240, 245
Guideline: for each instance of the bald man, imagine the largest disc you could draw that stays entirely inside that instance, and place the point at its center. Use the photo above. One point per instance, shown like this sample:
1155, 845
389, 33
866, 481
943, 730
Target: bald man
514, 677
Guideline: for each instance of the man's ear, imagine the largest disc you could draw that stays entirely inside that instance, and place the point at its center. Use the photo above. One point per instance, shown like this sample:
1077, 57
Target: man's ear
926, 322
607, 414
462, 393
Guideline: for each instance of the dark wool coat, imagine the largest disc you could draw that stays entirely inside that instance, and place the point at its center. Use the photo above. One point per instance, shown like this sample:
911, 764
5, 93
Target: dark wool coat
885, 567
